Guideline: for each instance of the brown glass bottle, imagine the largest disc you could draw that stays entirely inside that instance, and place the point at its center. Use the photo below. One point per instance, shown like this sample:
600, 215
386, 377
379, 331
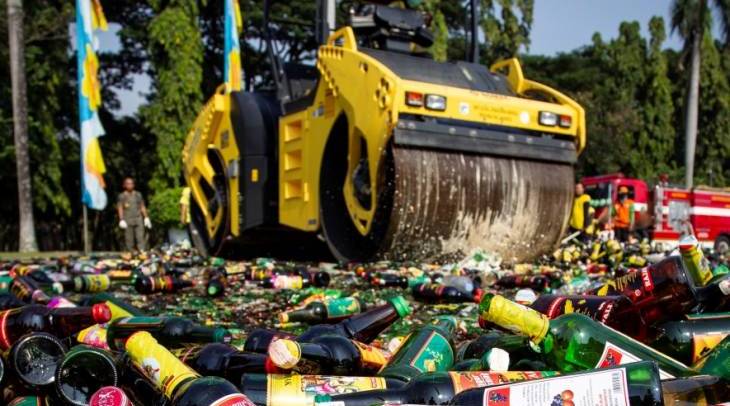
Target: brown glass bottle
218, 359
154, 284
28, 290
61, 322
434, 292
329, 354
614, 311
535, 282
169, 331
8, 301
662, 290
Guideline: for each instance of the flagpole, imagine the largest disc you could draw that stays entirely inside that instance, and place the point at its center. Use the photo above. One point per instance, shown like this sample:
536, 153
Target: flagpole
86, 232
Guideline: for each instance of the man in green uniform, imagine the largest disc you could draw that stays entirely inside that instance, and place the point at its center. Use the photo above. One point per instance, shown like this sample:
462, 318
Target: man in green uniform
132, 216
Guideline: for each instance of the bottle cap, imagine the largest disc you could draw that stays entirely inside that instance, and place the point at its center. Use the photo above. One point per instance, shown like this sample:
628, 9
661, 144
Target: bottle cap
101, 313
497, 359
285, 353
283, 317
109, 396
401, 305
525, 296
212, 290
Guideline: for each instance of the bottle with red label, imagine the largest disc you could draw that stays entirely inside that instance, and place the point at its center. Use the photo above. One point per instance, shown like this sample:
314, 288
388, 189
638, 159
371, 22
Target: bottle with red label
61, 322
431, 388
329, 354
665, 289
179, 383
155, 284
615, 311
574, 342
636, 384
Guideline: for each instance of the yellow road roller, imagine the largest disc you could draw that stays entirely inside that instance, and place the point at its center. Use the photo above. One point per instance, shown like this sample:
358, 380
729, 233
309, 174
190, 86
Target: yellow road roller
380, 151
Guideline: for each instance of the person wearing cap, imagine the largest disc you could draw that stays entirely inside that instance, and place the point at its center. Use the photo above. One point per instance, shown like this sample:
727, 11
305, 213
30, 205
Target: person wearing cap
580, 215
623, 215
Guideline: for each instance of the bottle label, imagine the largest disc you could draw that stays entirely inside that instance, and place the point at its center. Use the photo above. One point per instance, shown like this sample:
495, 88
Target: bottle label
436, 354
234, 399
517, 318
702, 344
468, 380
94, 283
343, 307
588, 389
157, 363
94, 336
372, 357
287, 282
614, 355
285, 353
596, 309
636, 285
300, 390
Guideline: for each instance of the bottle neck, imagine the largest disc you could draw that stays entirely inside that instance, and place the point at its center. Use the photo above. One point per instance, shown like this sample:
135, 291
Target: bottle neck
515, 317
366, 326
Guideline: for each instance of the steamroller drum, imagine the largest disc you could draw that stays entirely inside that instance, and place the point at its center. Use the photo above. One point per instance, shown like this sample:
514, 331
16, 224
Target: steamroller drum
343, 239
447, 204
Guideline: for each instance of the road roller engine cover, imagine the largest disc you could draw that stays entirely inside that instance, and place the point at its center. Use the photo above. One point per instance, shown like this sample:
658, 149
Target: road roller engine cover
382, 151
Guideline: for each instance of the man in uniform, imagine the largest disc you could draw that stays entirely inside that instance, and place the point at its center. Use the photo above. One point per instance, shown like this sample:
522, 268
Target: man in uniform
580, 215
132, 216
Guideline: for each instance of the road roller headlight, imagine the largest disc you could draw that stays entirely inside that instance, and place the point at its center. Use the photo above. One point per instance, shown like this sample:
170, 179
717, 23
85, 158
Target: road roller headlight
548, 119
435, 102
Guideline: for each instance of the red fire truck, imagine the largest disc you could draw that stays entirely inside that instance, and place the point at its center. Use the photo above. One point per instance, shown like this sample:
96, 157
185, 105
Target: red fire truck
664, 210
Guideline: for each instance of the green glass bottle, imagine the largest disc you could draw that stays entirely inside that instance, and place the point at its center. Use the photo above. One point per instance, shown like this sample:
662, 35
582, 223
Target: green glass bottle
330, 311
691, 339
427, 349
574, 342
314, 294
432, 388
635, 384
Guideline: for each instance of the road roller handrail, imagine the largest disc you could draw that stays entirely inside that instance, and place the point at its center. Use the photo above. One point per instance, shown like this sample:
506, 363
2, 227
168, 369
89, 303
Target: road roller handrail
512, 69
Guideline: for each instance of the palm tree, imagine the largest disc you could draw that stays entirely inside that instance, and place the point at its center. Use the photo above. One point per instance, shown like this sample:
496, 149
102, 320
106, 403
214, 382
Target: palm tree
692, 19
16, 40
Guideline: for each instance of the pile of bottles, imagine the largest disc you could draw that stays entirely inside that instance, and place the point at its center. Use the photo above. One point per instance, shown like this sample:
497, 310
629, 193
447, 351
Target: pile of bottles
174, 328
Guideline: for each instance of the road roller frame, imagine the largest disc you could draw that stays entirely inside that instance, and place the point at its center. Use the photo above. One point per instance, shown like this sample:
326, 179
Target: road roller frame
256, 160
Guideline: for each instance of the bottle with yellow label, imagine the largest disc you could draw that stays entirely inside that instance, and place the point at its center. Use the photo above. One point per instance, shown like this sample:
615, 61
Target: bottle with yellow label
427, 349
301, 390
575, 342
691, 339
179, 383
433, 388
328, 354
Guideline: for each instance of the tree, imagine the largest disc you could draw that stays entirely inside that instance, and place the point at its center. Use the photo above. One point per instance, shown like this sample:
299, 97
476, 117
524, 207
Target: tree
16, 40
176, 52
692, 20
506, 25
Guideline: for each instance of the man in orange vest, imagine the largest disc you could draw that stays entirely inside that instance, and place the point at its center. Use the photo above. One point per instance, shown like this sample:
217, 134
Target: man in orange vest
623, 215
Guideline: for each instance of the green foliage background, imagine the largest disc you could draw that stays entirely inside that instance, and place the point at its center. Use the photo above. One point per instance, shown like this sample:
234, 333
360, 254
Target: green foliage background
631, 87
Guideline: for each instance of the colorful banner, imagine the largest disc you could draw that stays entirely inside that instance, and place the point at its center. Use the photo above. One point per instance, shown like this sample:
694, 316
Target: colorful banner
232, 53
89, 17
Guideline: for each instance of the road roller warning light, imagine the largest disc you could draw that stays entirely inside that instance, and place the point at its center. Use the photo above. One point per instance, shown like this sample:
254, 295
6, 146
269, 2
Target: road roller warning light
381, 151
